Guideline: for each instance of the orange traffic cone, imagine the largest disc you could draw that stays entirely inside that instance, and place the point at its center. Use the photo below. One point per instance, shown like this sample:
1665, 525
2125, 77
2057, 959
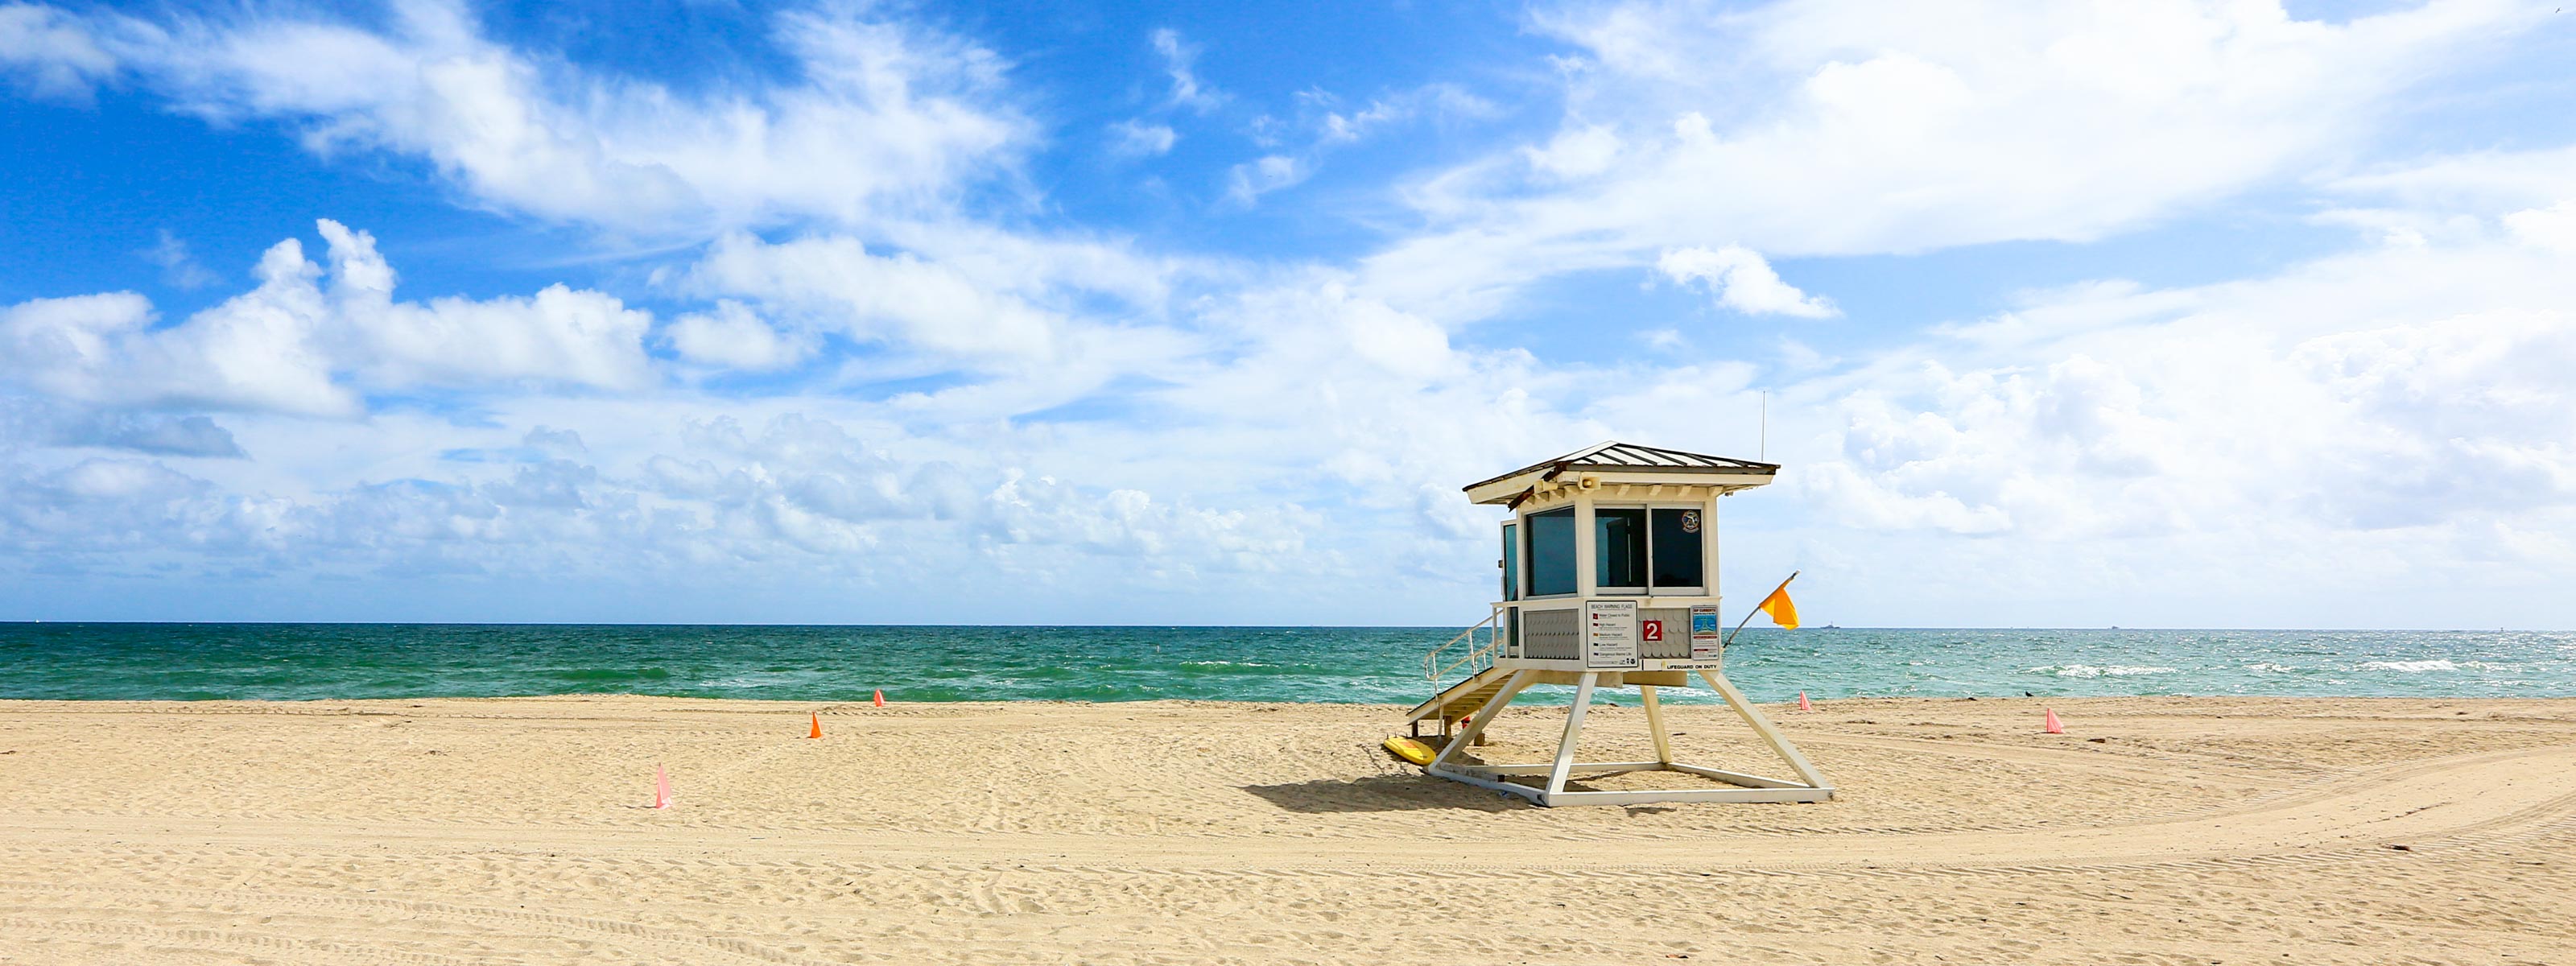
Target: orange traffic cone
2051, 726
661, 787
1803, 705
818, 725
880, 697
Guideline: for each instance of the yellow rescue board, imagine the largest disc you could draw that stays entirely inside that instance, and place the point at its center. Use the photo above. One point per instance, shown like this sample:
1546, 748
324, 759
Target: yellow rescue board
1409, 749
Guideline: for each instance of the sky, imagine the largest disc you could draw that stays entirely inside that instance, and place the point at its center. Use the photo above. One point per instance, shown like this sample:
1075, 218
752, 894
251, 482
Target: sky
2135, 312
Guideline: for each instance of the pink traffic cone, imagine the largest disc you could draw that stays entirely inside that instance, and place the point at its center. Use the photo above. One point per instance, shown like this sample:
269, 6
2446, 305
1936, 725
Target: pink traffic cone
1803, 704
880, 697
661, 787
2050, 725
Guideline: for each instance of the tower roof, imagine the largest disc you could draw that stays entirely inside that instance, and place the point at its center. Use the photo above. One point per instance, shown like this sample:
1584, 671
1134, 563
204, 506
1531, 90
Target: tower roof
1628, 463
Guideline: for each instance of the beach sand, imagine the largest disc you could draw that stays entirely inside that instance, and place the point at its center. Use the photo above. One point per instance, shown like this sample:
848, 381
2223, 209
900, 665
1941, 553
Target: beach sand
2163, 830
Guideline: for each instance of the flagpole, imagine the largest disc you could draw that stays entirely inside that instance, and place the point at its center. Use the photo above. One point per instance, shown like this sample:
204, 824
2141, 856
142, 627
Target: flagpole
1757, 608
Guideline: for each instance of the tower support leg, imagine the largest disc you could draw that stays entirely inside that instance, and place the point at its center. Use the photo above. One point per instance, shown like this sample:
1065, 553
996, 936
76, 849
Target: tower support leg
1484, 716
1762, 726
1810, 787
1573, 735
1655, 724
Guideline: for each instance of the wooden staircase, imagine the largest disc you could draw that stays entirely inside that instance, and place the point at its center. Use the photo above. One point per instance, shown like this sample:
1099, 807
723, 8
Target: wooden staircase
1461, 699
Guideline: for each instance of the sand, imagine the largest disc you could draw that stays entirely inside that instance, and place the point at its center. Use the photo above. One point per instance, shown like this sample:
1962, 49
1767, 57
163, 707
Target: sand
2168, 830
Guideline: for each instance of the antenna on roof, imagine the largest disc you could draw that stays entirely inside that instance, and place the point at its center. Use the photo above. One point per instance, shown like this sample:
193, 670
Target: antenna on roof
1762, 450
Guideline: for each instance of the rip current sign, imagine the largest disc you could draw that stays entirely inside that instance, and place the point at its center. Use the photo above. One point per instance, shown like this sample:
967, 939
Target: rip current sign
1706, 645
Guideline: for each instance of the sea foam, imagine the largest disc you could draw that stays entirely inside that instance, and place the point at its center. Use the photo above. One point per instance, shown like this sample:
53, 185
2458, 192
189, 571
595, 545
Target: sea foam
2095, 671
2410, 667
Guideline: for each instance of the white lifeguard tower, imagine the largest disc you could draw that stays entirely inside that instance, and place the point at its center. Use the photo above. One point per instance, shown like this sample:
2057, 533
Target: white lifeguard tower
1609, 571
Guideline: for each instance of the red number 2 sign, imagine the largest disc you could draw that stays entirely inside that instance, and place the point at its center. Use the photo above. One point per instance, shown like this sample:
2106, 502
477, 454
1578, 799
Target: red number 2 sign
1651, 630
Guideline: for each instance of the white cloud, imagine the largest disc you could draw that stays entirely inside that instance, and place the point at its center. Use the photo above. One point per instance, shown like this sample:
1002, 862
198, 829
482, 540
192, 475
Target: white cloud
1178, 58
1576, 152
1247, 182
2297, 406
310, 342
734, 337
895, 298
28, 422
1436, 101
885, 120
179, 266
1739, 279
1819, 127
788, 500
2473, 182
49, 53
2553, 228
1324, 127
559, 337
1136, 138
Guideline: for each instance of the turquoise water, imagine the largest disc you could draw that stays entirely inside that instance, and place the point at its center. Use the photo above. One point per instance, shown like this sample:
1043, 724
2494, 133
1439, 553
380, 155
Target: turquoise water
1331, 664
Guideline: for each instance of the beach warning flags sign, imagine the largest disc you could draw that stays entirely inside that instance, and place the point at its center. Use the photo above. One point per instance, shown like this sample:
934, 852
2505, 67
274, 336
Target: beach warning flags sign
1783, 612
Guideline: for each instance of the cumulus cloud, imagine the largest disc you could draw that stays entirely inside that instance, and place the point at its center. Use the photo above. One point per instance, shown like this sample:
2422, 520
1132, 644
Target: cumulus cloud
2216, 410
2552, 228
312, 342
734, 337
715, 499
1741, 280
37, 422
896, 298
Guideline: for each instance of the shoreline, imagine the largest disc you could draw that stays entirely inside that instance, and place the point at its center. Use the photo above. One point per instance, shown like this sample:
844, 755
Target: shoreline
517, 830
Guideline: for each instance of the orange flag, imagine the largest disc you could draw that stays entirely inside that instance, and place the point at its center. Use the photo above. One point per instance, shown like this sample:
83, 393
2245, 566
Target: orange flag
1783, 612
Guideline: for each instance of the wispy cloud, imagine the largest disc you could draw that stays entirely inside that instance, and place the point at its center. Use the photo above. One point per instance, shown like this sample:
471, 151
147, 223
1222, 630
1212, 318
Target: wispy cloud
1179, 63
1136, 138
179, 266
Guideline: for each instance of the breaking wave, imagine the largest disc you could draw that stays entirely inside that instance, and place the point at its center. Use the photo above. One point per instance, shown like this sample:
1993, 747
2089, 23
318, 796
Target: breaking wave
2098, 671
2411, 667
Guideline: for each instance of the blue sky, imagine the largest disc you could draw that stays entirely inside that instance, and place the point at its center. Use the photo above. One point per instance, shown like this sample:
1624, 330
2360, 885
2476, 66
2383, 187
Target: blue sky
2137, 313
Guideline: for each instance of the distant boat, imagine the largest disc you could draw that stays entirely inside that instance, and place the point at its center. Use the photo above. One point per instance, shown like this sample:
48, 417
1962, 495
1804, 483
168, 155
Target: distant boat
1831, 627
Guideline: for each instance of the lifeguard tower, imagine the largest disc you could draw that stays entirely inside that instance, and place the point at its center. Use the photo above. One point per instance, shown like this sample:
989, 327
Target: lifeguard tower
1609, 580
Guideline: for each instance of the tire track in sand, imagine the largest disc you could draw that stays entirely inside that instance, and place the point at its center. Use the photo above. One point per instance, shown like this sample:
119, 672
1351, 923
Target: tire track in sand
2441, 797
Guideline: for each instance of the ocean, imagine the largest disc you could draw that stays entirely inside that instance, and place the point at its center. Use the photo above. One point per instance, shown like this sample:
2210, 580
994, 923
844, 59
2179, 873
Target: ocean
280, 662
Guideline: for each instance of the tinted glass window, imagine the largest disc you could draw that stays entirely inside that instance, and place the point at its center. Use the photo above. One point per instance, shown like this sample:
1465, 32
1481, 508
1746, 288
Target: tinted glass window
1678, 560
1620, 537
1511, 562
1551, 552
